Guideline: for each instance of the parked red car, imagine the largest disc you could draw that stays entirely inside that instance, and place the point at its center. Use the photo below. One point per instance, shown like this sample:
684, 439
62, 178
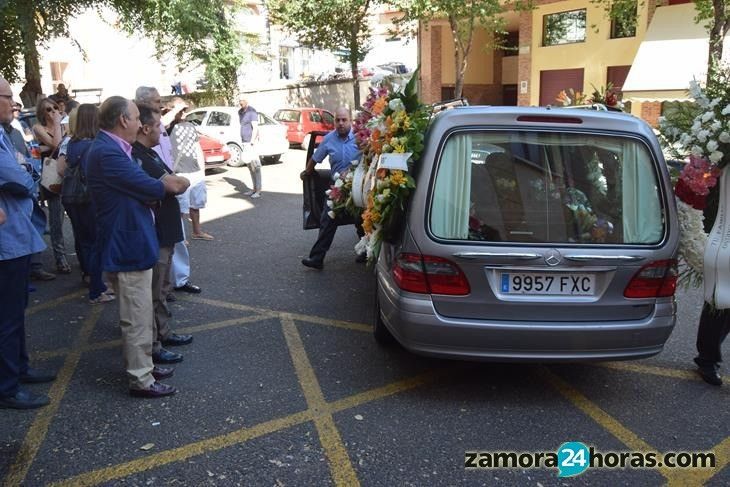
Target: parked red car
300, 122
215, 153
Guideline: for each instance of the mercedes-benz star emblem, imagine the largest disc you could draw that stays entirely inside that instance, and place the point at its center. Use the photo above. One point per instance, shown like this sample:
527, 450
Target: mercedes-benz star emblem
553, 257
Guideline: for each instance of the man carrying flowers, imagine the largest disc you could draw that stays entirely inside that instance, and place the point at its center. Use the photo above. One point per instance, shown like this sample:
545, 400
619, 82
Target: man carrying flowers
342, 149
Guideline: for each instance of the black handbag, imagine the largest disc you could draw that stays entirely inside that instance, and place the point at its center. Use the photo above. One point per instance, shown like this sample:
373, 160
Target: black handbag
74, 190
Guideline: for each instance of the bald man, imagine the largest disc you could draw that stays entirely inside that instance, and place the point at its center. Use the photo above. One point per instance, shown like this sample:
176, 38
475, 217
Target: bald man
342, 149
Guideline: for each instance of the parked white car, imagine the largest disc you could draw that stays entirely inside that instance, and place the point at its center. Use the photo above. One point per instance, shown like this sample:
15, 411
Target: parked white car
222, 123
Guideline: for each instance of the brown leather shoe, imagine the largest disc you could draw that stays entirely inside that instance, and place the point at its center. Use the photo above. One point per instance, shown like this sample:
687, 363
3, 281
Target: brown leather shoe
157, 389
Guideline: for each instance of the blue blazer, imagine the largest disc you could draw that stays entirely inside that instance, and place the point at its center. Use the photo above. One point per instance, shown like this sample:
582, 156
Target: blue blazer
121, 191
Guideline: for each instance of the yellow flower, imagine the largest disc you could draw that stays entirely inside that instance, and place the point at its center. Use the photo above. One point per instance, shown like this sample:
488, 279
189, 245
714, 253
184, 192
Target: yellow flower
397, 178
375, 216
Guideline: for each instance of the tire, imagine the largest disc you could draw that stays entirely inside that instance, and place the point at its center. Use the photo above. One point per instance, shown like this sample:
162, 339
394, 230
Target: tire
380, 332
305, 141
236, 153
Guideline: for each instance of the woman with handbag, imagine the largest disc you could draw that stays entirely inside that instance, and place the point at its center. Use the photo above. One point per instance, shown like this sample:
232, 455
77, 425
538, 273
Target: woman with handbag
84, 125
49, 133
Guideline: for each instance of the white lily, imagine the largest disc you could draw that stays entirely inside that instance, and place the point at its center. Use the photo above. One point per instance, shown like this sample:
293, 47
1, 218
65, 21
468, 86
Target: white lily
331, 214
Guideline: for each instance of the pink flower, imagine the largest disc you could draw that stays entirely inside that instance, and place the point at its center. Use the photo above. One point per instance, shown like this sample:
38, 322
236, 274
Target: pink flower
335, 194
699, 175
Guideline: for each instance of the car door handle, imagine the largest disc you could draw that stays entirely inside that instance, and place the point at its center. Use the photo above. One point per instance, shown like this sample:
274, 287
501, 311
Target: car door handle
502, 255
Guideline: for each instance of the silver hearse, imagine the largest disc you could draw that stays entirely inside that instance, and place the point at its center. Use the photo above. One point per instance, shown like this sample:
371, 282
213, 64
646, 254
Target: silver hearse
534, 234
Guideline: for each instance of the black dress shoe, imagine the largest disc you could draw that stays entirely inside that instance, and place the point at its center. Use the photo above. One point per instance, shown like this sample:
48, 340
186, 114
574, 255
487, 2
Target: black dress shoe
710, 375
170, 298
160, 373
189, 288
41, 275
37, 376
175, 340
313, 263
361, 258
158, 389
166, 357
23, 400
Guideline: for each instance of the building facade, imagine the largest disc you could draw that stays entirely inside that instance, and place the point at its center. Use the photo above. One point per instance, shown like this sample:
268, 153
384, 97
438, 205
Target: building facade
562, 44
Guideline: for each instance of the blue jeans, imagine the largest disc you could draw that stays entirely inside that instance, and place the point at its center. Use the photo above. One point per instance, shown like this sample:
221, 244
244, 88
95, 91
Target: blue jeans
13, 300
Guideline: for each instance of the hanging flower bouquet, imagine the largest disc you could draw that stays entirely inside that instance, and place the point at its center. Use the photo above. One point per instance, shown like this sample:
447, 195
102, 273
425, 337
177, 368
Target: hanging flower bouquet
701, 130
393, 121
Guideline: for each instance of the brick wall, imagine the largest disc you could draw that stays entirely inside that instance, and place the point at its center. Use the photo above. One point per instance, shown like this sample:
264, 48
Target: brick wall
524, 62
651, 111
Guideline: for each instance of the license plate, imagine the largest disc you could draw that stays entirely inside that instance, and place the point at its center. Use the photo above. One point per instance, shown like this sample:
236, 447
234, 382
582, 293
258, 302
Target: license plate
550, 284
215, 158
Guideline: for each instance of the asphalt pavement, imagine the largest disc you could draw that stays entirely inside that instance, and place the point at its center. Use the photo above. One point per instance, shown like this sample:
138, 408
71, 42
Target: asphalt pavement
284, 384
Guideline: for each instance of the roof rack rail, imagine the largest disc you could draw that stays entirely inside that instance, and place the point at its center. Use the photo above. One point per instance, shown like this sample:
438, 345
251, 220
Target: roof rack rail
440, 106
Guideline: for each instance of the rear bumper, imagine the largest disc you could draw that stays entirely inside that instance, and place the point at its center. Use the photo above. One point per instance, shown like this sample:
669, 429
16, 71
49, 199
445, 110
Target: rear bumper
414, 322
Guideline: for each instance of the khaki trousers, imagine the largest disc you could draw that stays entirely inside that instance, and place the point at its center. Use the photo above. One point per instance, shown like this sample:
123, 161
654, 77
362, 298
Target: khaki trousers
161, 287
136, 319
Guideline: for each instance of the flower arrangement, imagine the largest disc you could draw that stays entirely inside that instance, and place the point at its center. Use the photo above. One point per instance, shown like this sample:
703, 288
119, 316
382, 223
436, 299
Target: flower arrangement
605, 95
392, 121
699, 132
570, 97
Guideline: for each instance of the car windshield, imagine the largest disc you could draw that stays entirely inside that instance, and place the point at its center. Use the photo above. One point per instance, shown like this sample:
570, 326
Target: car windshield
538, 187
287, 116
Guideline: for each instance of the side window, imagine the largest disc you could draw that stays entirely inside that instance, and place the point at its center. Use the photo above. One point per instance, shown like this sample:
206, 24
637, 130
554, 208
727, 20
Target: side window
315, 117
328, 118
196, 118
219, 119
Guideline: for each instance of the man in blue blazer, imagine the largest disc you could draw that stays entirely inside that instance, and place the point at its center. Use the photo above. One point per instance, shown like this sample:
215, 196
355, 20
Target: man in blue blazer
123, 195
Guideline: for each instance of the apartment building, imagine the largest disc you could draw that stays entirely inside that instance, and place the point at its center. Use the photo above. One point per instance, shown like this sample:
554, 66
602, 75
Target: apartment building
563, 44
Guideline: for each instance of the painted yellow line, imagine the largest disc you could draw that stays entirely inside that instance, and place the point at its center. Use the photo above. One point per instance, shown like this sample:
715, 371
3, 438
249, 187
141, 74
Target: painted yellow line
184, 452
343, 473
612, 425
650, 370
700, 476
348, 325
242, 435
53, 303
39, 428
118, 342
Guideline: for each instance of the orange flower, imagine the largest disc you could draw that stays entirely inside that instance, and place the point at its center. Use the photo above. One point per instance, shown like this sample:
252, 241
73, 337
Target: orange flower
379, 106
381, 173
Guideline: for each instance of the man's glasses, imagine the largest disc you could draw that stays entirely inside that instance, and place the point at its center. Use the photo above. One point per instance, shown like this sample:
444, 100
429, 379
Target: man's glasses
50, 109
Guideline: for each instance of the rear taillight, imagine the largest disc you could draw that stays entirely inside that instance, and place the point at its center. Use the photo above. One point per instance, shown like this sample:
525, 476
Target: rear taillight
655, 280
426, 274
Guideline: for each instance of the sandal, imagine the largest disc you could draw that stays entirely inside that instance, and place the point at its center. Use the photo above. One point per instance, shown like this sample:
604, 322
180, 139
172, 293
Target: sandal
103, 298
202, 236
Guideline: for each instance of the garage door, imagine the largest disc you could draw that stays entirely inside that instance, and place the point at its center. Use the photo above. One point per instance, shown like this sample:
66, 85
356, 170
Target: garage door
554, 81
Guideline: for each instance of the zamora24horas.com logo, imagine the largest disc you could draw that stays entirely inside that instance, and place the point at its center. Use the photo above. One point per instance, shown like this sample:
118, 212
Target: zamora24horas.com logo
573, 458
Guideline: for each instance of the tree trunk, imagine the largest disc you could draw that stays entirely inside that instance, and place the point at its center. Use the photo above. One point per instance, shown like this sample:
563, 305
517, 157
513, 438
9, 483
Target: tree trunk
461, 53
31, 91
717, 32
354, 54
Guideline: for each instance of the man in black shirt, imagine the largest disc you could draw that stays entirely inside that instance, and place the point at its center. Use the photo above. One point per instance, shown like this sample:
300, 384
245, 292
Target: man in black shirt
169, 232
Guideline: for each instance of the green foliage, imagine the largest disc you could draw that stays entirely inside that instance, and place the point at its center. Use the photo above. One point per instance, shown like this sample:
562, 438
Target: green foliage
35, 22
340, 26
195, 31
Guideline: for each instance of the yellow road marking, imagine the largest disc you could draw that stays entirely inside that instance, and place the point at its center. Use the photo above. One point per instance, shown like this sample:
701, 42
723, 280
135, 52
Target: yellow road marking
242, 435
39, 428
674, 476
53, 303
342, 471
699, 476
650, 370
118, 342
348, 325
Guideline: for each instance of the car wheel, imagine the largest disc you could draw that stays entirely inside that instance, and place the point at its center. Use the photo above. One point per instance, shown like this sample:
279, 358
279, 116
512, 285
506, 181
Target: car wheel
270, 159
305, 141
236, 159
380, 332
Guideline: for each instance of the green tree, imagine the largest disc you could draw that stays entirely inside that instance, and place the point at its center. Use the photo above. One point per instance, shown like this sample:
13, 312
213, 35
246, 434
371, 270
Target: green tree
194, 30
463, 16
336, 25
713, 14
